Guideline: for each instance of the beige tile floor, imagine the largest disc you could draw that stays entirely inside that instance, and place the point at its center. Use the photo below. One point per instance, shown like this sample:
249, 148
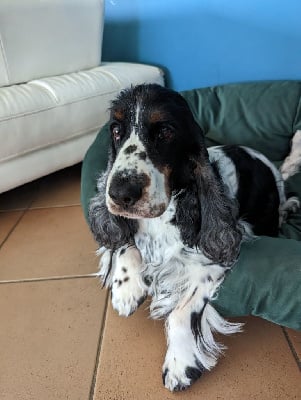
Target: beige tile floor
60, 338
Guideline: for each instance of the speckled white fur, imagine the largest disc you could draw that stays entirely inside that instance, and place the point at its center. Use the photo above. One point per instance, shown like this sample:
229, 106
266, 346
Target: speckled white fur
182, 281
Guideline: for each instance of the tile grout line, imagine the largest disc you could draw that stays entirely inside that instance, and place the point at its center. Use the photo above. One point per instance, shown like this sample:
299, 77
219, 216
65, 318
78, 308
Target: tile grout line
41, 279
12, 228
30, 208
55, 206
292, 348
99, 346
48, 278
26, 208
17, 222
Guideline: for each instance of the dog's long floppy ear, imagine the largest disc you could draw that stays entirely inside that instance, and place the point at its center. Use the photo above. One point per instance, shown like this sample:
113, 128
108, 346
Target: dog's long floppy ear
210, 214
220, 233
109, 230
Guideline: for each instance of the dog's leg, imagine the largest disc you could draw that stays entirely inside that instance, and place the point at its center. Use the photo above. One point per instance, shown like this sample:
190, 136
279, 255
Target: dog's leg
128, 290
191, 345
291, 206
292, 163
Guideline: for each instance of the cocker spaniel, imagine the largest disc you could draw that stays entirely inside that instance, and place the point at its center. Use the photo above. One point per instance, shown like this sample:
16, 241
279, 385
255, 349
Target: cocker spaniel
170, 216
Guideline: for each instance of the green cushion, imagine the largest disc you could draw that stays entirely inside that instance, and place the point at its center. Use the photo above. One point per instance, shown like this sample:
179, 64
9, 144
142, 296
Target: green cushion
266, 280
260, 115
95, 161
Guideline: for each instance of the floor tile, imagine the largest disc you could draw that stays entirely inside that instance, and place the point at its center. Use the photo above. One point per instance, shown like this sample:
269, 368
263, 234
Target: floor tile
19, 198
258, 364
295, 340
7, 222
49, 242
49, 338
59, 189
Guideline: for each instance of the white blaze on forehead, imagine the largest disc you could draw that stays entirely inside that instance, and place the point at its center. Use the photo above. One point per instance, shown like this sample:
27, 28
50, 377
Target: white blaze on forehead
129, 159
137, 114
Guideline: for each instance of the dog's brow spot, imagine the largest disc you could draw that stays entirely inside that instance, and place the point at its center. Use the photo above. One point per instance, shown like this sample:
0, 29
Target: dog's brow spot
147, 280
126, 279
156, 116
142, 155
124, 269
130, 149
118, 114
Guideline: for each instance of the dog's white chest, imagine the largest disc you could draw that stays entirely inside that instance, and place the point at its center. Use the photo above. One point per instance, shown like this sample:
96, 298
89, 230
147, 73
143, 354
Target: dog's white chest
158, 239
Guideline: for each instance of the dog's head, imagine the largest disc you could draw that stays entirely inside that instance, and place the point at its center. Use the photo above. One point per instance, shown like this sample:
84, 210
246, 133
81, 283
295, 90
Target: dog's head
157, 150
154, 136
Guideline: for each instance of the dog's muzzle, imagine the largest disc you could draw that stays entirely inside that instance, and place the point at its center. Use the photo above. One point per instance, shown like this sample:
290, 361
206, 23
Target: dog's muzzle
135, 194
126, 190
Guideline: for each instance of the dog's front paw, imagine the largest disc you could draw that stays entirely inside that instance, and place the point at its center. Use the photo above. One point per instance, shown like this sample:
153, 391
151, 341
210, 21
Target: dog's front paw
127, 293
180, 371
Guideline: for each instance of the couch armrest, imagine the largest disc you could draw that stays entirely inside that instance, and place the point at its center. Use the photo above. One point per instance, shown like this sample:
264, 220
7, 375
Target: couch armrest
48, 37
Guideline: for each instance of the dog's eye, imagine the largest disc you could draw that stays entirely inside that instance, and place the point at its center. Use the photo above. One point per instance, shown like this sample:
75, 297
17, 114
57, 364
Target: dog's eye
116, 132
165, 133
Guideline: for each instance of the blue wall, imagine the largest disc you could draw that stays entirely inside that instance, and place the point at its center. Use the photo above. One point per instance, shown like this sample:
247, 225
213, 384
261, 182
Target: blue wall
207, 42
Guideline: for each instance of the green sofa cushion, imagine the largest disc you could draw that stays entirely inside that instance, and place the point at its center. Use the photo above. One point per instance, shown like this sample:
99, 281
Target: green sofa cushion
266, 280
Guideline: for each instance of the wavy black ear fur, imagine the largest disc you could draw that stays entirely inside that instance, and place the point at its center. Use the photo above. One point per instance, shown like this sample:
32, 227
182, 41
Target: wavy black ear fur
109, 230
220, 234
207, 217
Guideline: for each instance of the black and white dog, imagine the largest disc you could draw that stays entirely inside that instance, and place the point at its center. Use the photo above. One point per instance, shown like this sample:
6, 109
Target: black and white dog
170, 217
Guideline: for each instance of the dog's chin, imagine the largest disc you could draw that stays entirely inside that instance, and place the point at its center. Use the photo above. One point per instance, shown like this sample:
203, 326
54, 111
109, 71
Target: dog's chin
137, 211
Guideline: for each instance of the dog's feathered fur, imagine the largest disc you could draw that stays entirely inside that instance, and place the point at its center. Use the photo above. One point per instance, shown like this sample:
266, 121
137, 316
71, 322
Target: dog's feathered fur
169, 218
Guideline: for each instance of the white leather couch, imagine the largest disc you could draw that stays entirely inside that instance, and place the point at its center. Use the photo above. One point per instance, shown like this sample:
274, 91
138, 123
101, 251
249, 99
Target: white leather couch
54, 90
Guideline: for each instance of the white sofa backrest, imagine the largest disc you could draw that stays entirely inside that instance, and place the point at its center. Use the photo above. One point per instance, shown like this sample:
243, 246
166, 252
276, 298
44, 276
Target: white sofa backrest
40, 38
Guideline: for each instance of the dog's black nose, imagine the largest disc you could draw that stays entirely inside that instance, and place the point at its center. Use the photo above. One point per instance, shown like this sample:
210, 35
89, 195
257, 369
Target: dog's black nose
126, 192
